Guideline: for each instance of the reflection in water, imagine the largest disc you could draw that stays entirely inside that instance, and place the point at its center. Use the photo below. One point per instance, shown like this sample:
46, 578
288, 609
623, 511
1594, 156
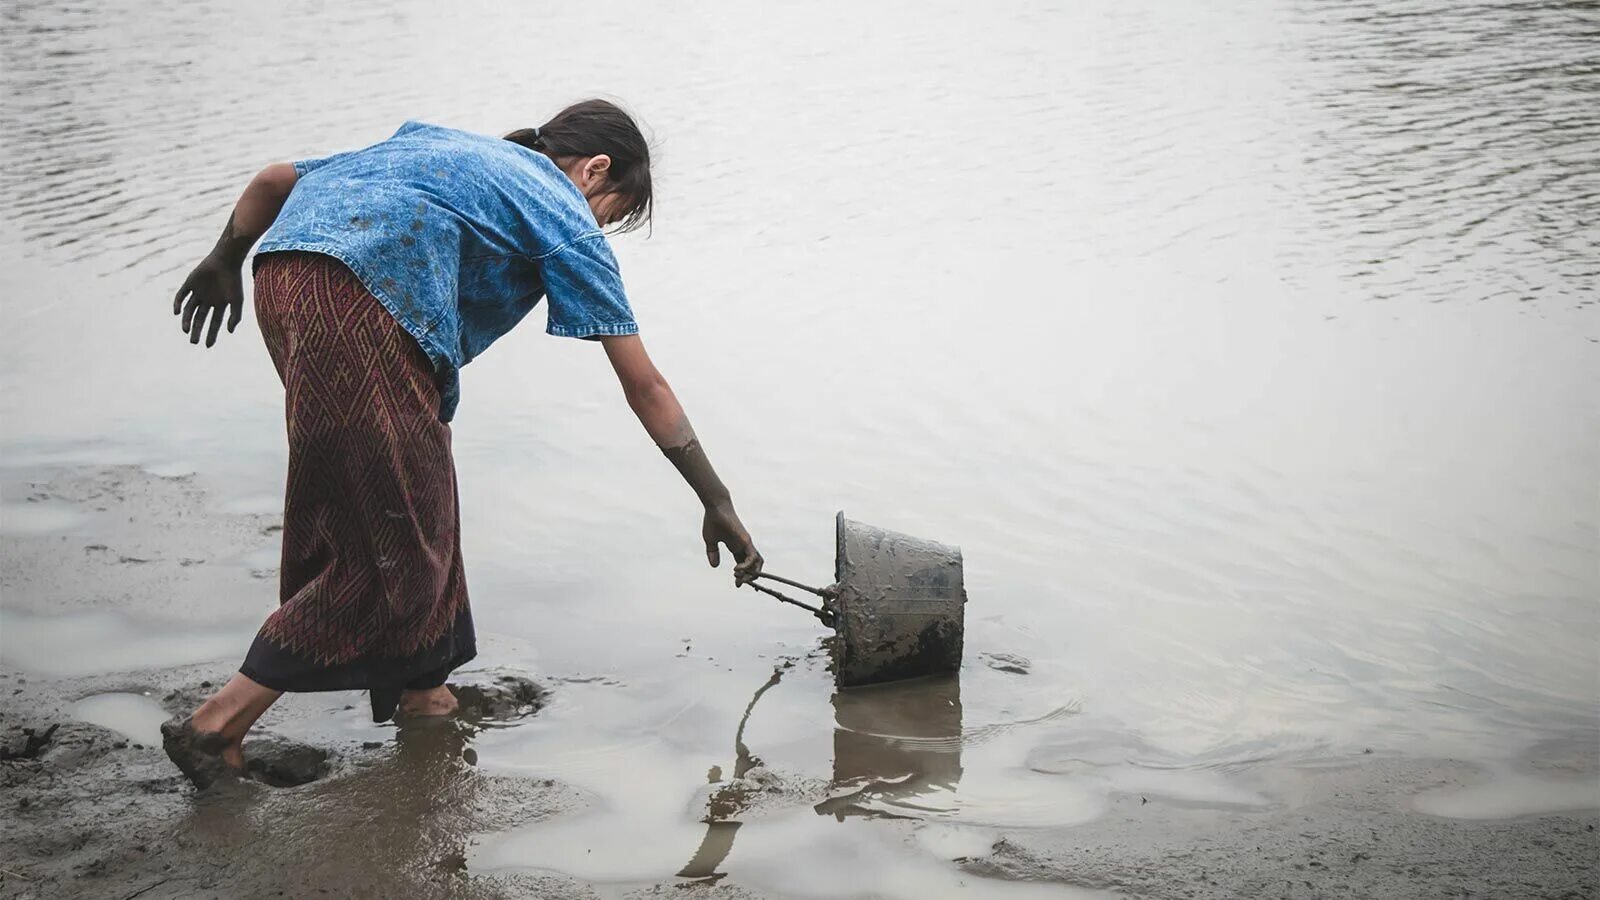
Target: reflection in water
716, 846
890, 743
402, 823
729, 800
893, 742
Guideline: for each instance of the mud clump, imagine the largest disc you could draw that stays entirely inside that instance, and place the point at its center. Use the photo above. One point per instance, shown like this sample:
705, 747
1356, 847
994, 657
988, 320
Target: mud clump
504, 698
197, 754
280, 762
27, 743
270, 760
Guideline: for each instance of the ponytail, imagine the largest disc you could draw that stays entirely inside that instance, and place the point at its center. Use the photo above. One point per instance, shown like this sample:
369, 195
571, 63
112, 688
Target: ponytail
591, 128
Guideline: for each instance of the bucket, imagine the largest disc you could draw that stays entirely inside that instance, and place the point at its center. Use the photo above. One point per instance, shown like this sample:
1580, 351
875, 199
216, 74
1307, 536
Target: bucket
897, 603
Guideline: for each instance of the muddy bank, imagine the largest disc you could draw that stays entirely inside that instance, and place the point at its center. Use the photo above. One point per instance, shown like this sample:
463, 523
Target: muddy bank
1346, 833
88, 811
105, 568
90, 806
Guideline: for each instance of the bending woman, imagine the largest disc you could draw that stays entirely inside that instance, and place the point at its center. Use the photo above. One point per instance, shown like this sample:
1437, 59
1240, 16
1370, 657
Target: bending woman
381, 272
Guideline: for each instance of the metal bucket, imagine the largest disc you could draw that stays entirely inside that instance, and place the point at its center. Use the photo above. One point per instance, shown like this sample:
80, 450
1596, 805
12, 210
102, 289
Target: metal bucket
899, 606
897, 603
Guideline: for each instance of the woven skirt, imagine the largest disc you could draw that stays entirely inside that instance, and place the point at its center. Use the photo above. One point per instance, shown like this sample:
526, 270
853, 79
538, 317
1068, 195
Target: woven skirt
373, 595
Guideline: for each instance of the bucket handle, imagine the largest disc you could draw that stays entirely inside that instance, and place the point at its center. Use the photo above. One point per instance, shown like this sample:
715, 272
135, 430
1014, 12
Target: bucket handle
823, 612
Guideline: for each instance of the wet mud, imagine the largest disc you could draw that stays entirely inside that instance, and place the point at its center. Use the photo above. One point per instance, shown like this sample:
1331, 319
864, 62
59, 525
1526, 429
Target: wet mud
94, 815
1345, 837
496, 698
909, 805
279, 762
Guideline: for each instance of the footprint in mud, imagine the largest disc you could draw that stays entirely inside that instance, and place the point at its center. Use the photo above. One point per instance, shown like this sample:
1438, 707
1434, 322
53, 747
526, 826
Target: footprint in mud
27, 743
269, 759
500, 698
1008, 662
488, 699
279, 762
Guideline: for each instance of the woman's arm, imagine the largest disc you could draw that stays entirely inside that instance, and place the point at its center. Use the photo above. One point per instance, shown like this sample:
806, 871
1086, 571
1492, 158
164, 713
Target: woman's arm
215, 284
663, 417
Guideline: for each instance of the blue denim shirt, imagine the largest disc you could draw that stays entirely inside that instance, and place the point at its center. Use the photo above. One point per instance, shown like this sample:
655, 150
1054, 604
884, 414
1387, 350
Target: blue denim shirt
458, 235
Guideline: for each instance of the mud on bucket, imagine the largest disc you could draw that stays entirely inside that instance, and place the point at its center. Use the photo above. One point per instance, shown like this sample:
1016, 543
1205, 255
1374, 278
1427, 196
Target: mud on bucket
898, 605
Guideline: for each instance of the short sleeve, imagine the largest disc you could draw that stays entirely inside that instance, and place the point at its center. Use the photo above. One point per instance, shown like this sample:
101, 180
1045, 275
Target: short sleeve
304, 167
585, 292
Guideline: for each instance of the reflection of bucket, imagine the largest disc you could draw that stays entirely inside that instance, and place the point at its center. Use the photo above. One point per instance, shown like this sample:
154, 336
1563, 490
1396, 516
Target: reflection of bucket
898, 733
899, 605
895, 748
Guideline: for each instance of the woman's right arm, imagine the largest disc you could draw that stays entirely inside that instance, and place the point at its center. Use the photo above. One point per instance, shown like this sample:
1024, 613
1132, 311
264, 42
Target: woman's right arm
216, 283
662, 416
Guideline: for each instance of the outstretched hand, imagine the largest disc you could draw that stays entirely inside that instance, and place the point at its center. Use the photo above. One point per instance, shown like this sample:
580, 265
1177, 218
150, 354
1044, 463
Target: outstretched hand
214, 286
722, 526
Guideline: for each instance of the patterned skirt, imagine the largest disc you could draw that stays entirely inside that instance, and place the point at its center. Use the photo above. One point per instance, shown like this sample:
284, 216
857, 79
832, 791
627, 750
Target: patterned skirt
373, 595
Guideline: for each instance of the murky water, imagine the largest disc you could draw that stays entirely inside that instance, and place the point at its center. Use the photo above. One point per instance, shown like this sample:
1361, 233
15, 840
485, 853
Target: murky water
1248, 351
134, 716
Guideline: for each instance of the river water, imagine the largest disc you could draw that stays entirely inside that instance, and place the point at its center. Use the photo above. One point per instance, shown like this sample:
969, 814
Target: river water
1249, 350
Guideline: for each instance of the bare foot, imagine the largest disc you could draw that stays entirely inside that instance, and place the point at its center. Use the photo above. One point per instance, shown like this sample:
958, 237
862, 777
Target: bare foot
437, 701
204, 757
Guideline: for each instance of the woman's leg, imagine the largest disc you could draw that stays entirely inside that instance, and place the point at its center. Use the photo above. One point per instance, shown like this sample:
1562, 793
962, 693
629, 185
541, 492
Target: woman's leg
429, 702
371, 582
231, 711
208, 745
428, 696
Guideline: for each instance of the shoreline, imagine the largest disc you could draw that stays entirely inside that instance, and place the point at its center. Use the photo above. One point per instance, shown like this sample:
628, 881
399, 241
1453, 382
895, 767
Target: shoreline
87, 811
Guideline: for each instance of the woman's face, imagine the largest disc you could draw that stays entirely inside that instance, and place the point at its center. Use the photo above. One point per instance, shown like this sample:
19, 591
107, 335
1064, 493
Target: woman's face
590, 174
608, 208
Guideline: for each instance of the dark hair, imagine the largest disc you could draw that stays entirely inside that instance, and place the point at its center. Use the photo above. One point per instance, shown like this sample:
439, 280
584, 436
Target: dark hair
591, 128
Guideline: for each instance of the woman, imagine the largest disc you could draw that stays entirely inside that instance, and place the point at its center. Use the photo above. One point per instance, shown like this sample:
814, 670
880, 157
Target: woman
381, 272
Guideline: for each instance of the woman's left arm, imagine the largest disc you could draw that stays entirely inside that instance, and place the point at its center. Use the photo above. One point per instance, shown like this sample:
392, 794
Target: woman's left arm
216, 283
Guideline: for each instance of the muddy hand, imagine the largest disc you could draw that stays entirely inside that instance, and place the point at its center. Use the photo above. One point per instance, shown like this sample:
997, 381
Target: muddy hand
722, 526
213, 287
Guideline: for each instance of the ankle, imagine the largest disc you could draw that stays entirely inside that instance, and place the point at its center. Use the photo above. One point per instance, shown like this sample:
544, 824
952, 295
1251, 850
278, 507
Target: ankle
208, 719
432, 702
